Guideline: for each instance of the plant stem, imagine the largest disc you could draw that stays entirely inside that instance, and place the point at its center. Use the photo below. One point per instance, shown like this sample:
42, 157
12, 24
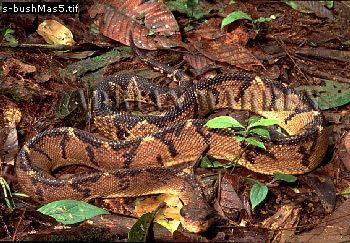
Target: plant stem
239, 156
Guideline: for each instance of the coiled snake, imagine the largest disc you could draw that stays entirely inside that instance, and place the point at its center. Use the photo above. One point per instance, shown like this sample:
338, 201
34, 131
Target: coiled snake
146, 154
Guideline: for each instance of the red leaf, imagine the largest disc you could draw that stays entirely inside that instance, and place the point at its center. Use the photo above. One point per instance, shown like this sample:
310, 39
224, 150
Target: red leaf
117, 18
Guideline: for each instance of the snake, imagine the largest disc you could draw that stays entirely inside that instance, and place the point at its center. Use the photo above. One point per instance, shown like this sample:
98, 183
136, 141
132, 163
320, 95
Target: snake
136, 154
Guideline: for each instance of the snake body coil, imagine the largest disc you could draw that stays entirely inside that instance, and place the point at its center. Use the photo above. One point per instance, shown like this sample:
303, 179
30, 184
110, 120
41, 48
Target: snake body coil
144, 154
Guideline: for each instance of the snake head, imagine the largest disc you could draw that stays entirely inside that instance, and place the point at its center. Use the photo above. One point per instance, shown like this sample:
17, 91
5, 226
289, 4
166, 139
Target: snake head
197, 219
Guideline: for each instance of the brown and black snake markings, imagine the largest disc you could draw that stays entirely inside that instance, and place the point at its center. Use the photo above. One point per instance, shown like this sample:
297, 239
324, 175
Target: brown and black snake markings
148, 154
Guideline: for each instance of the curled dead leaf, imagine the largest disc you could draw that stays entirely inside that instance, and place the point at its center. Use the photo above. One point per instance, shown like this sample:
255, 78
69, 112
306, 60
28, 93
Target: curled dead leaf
11, 115
169, 216
116, 19
55, 33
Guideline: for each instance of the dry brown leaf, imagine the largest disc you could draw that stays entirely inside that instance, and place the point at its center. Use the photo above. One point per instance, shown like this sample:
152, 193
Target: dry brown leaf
347, 142
228, 196
286, 218
209, 30
13, 65
234, 54
324, 187
42, 77
117, 19
217, 45
237, 36
334, 227
343, 151
197, 61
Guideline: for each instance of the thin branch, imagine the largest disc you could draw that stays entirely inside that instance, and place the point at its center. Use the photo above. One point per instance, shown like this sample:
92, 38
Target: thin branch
281, 43
55, 47
17, 226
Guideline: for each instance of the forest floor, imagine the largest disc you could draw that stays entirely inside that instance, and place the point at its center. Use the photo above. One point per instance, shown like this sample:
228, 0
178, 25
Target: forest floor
45, 86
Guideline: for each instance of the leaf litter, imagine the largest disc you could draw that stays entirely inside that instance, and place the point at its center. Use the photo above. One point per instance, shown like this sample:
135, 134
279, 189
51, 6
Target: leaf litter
206, 45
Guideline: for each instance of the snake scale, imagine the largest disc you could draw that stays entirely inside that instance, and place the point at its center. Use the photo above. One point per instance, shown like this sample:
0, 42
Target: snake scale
148, 154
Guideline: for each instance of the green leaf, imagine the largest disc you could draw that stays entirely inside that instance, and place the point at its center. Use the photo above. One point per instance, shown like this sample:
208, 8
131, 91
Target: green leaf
170, 225
251, 181
255, 28
178, 6
70, 102
223, 122
261, 131
236, 15
7, 193
253, 119
291, 4
284, 177
294, 5
260, 20
5, 185
192, 3
264, 122
279, 130
329, 3
310, 7
346, 191
263, 19
188, 7
239, 138
71, 211
258, 194
150, 33
330, 95
255, 143
206, 163
198, 14
139, 231
7, 33
218, 165
188, 28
